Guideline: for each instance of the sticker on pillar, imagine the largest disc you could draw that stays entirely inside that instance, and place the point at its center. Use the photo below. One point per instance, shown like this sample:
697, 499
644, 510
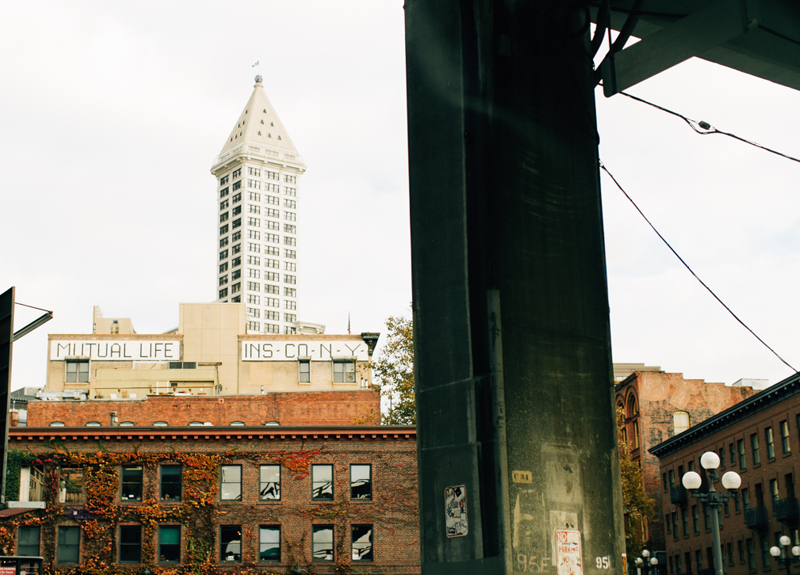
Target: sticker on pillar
568, 553
455, 511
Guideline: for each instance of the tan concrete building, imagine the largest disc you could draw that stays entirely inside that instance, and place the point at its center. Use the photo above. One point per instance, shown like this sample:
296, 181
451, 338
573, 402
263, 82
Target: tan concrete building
209, 354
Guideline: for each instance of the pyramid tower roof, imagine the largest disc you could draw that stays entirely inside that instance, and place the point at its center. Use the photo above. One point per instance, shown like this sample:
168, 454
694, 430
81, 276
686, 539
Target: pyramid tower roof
259, 124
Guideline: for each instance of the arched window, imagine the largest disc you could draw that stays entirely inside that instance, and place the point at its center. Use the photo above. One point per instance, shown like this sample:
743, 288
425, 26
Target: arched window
160, 424
680, 422
126, 424
195, 423
633, 409
237, 422
93, 424
272, 423
57, 424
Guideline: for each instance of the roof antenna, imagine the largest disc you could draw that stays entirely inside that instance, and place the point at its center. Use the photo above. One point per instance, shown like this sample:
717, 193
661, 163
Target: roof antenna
348, 323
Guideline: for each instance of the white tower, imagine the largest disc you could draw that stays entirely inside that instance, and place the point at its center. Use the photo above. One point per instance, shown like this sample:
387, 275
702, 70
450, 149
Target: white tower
257, 193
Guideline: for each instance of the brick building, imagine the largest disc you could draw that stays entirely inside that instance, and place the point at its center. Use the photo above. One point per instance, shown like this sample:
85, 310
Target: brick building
243, 499
658, 405
758, 438
310, 408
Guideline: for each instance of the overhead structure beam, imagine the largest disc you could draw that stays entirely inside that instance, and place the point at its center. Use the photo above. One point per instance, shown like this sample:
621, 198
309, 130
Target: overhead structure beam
758, 37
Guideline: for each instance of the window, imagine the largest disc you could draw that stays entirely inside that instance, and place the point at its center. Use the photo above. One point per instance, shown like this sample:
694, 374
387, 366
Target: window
28, 541
746, 498
773, 489
170, 483
236, 186
740, 447
722, 458
274, 200
269, 288
255, 184
223, 254
273, 188
271, 328
270, 263
272, 212
695, 519
254, 234
361, 542
769, 438
289, 292
269, 543
253, 326
784, 425
344, 372
254, 273
290, 330
223, 280
255, 222
274, 315
322, 542
253, 312
685, 520
237, 223
288, 279
361, 481
236, 236
271, 225
254, 299
289, 317
169, 544
255, 248
235, 288
130, 543
698, 558
290, 191
290, 228
290, 304
236, 173
272, 302
69, 545
231, 478
289, 203
751, 555
223, 293
289, 241
223, 229
254, 171
733, 455
706, 517
290, 179
132, 482
740, 549
290, 266
272, 276
223, 192
223, 242
754, 446
223, 217
271, 175
765, 552
675, 524
290, 216
77, 372
274, 238
230, 543
253, 286
223, 267
223, 180
322, 482
269, 482
304, 375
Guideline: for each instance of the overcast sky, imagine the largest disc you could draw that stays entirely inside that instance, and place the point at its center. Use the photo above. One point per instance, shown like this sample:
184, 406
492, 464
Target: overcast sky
111, 115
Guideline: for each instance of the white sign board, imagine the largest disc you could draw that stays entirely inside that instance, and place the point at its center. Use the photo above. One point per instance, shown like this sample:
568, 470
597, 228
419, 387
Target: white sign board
105, 350
568, 552
297, 349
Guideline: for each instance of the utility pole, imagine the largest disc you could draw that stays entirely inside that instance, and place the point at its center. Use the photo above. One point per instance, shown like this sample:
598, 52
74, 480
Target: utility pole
518, 461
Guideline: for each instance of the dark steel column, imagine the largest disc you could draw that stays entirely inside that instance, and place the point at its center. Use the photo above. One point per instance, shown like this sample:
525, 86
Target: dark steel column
513, 363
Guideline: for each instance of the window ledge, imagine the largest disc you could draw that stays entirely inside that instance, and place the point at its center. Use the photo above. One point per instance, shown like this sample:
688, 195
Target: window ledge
27, 505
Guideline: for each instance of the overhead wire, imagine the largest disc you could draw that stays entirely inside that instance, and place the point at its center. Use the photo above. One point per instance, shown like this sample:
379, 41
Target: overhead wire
705, 129
677, 255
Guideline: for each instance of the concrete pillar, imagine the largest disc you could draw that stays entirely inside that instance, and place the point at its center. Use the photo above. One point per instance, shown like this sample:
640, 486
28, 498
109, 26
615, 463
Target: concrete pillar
513, 362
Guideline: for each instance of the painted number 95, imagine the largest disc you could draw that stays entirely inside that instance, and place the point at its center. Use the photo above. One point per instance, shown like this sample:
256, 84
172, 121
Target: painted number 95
601, 562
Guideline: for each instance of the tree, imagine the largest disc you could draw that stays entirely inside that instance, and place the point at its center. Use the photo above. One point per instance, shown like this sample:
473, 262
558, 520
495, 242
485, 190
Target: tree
637, 505
394, 372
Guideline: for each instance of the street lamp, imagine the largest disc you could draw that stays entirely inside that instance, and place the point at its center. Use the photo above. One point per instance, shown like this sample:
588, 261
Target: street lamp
775, 551
730, 481
643, 561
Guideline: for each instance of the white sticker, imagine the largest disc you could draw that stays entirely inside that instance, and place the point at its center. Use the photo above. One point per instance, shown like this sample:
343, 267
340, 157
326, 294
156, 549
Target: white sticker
455, 511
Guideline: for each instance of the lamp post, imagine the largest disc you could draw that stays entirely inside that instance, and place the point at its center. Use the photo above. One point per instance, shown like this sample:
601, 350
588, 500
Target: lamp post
730, 481
775, 551
645, 561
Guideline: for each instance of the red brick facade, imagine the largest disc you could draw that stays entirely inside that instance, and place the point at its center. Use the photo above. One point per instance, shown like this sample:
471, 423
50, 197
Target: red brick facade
650, 400
291, 408
767, 506
390, 512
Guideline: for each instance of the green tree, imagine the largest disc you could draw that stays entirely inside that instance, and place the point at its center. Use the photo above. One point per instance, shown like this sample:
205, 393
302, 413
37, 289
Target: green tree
394, 372
637, 505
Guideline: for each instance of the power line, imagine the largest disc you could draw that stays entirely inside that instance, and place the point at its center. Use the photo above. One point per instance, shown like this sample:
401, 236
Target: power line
706, 129
649, 223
